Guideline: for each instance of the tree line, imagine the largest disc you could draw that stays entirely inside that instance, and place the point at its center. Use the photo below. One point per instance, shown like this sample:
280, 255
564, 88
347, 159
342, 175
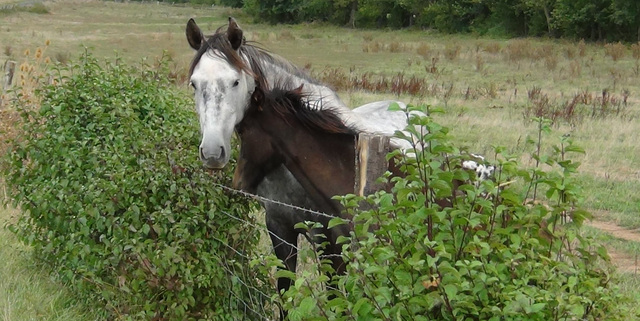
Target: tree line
595, 20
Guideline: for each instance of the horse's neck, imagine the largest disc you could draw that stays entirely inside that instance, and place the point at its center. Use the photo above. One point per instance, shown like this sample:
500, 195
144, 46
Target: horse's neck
314, 160
318, 94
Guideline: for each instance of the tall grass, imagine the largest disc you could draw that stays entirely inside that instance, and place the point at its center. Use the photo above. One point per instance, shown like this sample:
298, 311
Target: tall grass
27, 292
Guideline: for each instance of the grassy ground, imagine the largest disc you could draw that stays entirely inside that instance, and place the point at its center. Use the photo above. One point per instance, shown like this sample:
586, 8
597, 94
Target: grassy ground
487, 86
26, 290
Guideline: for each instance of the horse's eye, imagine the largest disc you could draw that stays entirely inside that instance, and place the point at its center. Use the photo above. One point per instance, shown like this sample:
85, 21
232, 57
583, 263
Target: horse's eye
236, 83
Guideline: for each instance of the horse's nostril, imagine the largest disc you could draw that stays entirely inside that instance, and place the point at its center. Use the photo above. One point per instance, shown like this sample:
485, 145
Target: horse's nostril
209, 157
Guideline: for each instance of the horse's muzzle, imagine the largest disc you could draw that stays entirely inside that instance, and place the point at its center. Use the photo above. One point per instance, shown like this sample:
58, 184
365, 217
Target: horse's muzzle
214, 162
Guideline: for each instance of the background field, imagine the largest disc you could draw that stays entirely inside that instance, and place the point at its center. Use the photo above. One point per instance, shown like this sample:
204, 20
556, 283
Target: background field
490, 88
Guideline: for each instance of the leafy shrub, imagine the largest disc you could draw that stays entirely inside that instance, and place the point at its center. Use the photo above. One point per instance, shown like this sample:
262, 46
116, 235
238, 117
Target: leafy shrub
115, 200
497, 253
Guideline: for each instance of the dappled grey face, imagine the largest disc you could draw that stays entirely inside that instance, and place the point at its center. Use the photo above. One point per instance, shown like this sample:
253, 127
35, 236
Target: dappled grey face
222, 96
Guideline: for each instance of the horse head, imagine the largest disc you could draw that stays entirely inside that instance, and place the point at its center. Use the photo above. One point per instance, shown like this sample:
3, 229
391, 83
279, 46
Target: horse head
223, 84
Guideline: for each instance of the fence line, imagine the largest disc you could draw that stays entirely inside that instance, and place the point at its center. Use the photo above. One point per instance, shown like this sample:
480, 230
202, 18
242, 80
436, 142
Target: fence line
260, 295
262, 198
370, 164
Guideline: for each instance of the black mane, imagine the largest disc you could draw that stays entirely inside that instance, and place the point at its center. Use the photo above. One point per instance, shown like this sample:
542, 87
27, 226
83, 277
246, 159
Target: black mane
313, 116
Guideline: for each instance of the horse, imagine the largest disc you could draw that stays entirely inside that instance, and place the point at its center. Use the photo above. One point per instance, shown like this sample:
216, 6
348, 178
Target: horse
315, 145
282, 128
318, 148
224, 74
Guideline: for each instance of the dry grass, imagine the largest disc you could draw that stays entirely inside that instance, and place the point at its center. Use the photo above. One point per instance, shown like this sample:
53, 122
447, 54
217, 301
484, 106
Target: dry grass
492, 47
479, 62
518, 49
575, 69
392, 47
615, 50
395, 47
286, 35
570, 52
452, 51
635, 51
582, 47
424, 50
551, 61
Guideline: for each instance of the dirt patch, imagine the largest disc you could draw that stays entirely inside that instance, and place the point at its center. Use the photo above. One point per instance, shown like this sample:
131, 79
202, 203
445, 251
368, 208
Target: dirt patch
615, 230
625, 262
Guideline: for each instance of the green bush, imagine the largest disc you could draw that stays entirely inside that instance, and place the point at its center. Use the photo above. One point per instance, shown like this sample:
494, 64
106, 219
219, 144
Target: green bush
497, 253
115, 200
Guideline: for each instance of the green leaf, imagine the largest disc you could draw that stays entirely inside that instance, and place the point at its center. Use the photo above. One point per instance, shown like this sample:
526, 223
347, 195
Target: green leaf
362, 307
336, 221
575, 149
451, 290
282, 273
307, 305
394, 106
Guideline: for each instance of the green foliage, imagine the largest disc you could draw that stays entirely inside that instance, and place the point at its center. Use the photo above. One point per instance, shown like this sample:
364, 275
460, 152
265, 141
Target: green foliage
231, 3
115, 200
611, 20
274, 11
494, 253
453, 16
38, 8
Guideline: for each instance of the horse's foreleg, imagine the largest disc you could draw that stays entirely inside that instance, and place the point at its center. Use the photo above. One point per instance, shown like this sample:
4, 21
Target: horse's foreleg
333, 252
284, 245
285, 248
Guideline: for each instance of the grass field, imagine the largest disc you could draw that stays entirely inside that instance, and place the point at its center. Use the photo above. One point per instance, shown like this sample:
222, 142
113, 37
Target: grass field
27, 292
489, 88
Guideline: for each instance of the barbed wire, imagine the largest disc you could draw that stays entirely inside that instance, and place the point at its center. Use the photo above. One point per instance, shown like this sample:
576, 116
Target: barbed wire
258, 299
251, 306
264, 199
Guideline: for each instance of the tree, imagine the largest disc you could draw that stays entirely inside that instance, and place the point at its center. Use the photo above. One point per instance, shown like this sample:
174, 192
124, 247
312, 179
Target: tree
532, 7
625, 14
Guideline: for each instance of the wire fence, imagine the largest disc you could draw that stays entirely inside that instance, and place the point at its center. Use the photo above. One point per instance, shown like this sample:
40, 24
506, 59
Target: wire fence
260, 304
260, 297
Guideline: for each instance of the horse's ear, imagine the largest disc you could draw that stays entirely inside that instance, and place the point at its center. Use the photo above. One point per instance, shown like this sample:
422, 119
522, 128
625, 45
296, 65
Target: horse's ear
257, 98
234, 33
194, 35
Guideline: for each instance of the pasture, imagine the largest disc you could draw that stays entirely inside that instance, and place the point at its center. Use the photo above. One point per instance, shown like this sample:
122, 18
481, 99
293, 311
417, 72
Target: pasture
490, 88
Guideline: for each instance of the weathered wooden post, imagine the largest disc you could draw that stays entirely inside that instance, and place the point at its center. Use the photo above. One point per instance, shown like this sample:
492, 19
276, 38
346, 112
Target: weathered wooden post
371, 162
9, 70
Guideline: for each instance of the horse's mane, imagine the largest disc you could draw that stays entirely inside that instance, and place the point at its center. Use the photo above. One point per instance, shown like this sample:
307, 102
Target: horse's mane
256, 56
287, 101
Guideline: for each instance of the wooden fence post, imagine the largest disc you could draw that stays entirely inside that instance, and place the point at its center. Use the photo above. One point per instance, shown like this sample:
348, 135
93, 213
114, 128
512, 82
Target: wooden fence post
9, 70
371, 162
